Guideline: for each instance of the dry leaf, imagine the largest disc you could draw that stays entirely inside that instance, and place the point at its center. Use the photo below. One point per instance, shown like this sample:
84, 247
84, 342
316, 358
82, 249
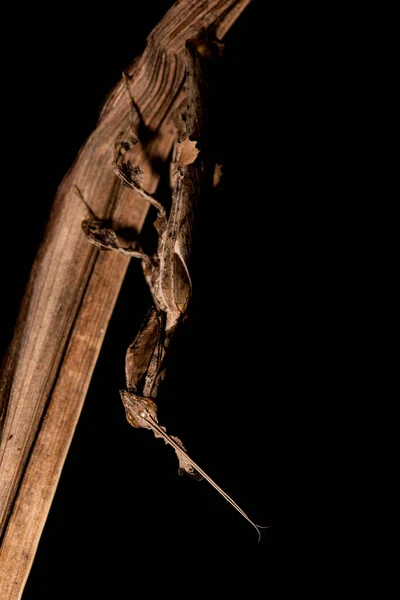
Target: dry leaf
186, 153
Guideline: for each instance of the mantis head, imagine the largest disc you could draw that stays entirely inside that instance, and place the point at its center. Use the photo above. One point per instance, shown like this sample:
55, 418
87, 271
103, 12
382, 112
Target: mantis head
138, 408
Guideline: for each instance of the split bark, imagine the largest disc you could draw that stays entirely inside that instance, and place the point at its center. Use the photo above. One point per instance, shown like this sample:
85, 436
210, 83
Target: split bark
73, 288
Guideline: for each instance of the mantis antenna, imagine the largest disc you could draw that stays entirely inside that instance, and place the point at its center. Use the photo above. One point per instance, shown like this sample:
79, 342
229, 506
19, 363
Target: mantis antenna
156, 428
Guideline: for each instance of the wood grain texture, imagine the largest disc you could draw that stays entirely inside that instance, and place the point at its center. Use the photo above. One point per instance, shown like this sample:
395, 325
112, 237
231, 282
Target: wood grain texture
73, 288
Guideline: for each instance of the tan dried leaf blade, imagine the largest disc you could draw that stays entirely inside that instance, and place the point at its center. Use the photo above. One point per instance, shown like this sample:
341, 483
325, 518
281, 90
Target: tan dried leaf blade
186, 152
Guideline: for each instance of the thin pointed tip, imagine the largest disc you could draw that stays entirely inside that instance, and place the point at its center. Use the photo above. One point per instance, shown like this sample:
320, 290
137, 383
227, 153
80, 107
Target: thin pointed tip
258, 527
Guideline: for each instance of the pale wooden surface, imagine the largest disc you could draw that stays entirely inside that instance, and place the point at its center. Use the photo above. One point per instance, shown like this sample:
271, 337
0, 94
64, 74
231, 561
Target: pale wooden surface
73, 289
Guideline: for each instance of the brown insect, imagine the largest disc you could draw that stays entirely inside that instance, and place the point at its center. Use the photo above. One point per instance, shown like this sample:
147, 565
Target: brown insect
167, 273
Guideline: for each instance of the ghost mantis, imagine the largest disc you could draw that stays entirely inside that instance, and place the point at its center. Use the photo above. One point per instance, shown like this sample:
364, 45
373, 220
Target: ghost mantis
167, 272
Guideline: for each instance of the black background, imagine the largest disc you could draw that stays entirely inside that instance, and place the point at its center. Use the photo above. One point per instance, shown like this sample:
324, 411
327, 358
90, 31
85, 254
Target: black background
121, 514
